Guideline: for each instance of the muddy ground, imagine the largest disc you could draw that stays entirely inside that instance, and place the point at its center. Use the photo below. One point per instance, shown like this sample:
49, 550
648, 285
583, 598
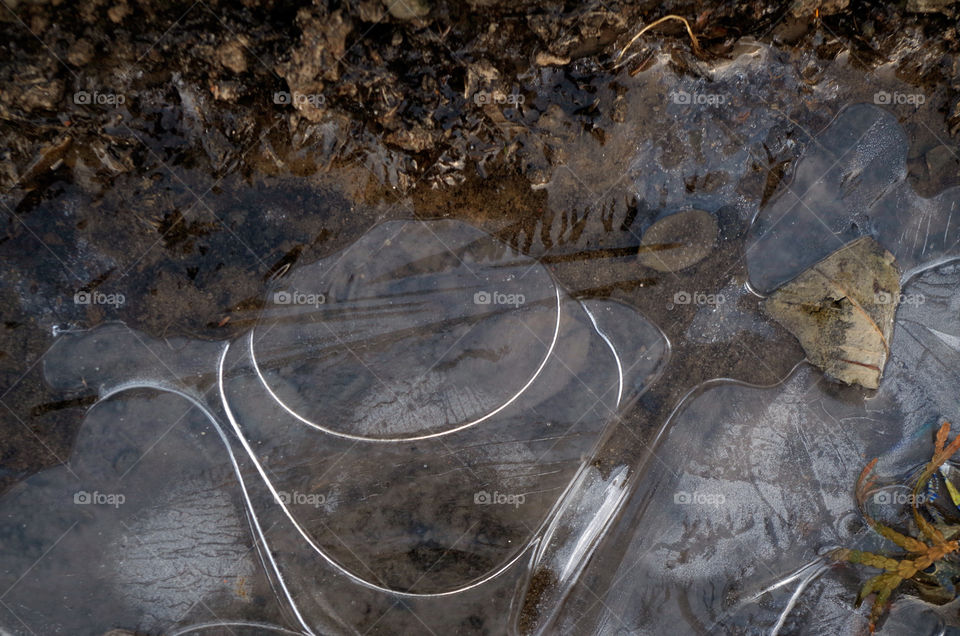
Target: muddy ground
178, 155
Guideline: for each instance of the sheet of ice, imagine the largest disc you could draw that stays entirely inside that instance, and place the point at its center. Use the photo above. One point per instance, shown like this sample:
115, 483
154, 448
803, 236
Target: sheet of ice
139, 531
852, 183
404, 420
466, 416
750, 485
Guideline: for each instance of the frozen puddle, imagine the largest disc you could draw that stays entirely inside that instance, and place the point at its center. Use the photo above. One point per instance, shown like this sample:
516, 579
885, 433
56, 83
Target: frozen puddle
752, 484
402, 422
406, 439
749, 486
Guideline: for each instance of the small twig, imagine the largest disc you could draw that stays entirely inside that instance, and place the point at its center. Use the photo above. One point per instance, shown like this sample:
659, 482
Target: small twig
693, 38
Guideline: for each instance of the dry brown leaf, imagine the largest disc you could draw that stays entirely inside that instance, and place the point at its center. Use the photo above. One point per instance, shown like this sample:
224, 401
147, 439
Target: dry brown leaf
842, 309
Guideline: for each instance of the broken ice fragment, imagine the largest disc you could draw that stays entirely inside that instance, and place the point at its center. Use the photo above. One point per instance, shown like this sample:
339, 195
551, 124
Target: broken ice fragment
841, 310
850, 183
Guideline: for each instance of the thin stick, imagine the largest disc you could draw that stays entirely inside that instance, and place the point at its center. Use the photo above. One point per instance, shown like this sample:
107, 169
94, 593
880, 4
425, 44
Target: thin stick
693, 38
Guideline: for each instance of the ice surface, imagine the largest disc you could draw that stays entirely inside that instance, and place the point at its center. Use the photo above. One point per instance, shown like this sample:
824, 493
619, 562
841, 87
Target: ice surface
750, 485
139, 528
407, 439
852, 182
390, 439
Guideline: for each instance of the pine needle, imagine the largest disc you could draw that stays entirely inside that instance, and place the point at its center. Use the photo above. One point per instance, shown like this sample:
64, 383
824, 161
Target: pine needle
693, 38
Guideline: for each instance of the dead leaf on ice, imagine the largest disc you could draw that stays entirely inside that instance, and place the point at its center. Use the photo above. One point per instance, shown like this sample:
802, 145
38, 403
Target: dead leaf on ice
842, 309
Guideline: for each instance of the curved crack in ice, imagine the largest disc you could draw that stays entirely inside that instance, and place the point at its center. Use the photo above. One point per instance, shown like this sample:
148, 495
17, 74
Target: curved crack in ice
306, 536
815, 568
413, 438
273, 629
613, 349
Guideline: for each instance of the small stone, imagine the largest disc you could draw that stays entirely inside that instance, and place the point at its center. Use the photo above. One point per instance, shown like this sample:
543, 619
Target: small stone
80, 53
371, 11
678, 241
931, 6
485, 70
842, 309
416, 139
233, 56
805, 8
316, 60
118, 12
407, 9
41, 94
39, 23
225, 91
549, 59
